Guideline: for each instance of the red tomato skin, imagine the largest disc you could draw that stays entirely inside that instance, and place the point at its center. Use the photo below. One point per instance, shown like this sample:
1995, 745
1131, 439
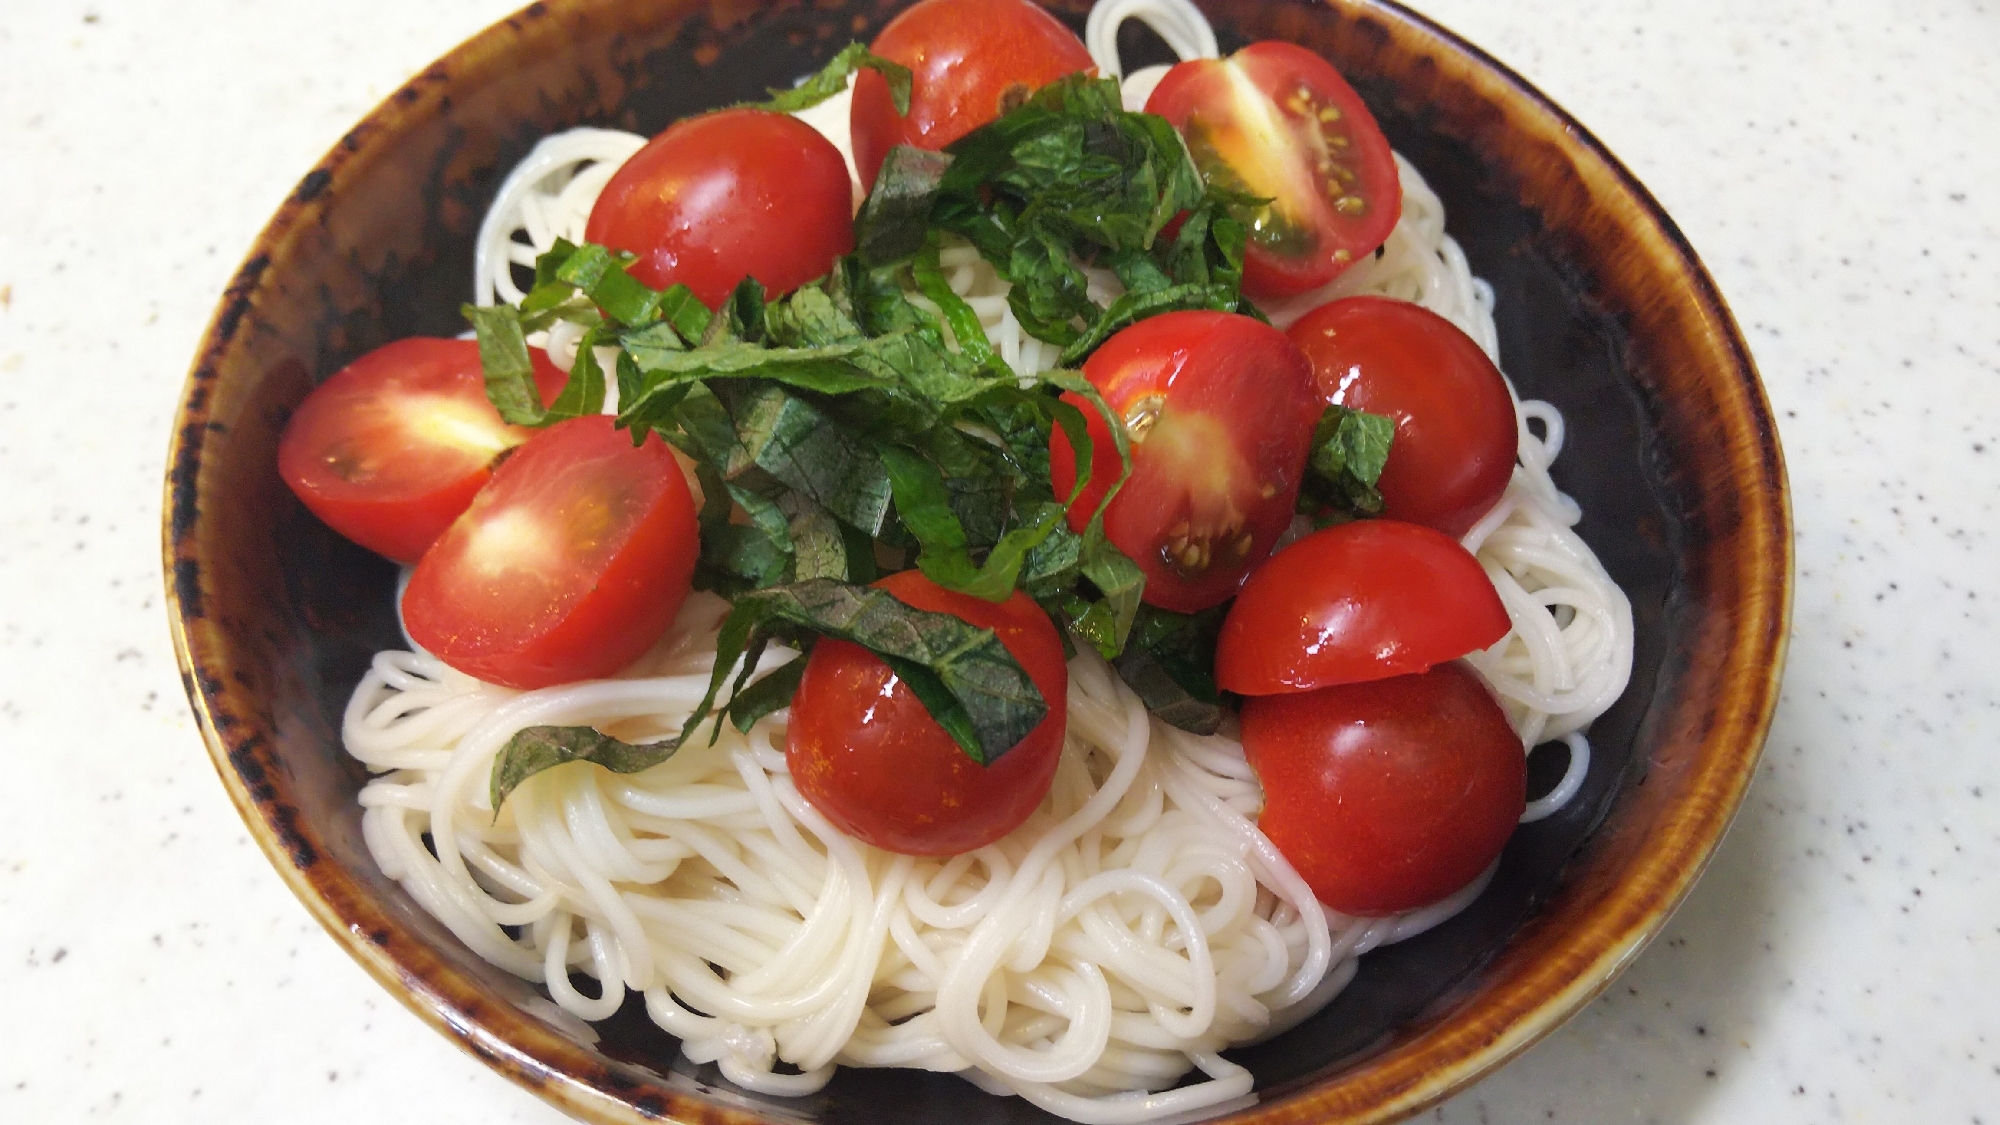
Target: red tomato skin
729, 194
864, 751
1389, 795
1238, 416
591, 617
357, 409
1456, 431
967, 59
1355, 602
1202, 97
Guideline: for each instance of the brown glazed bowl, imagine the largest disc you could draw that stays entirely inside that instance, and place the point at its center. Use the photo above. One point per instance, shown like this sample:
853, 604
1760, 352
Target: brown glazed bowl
1603, 310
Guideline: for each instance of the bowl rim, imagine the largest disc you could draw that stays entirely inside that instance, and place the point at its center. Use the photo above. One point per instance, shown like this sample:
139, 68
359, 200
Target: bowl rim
1402, 1080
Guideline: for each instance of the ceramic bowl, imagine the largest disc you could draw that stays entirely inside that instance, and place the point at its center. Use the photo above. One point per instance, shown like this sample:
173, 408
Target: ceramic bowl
1603, 310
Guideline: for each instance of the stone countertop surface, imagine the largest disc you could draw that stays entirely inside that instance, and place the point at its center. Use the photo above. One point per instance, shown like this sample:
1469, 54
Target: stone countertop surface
1834, 164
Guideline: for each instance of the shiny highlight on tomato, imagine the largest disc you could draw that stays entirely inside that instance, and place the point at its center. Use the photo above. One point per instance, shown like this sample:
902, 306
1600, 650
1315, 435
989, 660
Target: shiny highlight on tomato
864, 751
1456, 430
1389, 795
727, 195
394, 446
1360, 601
1219, 410
970, 62
568, 566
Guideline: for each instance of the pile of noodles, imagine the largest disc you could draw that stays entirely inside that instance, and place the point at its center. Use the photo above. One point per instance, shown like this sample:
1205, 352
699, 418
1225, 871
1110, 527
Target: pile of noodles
1134, 928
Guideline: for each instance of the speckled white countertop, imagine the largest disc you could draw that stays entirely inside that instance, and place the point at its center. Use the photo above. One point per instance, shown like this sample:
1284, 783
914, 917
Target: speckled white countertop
1834, 163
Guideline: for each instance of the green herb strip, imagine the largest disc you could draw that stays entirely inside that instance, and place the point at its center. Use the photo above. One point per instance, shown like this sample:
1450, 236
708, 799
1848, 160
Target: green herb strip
535, 749
1136, 306
958, 315
966, 678
583, 393
895, 217
832, 79
1349, 450
772, 693
1072, 176
503, 355
1169, 663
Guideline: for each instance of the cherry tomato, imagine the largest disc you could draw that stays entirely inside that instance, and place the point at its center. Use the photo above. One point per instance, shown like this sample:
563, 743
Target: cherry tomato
730, 194
1456, 434
865, 752
1220, 412
970, 62
1390, 795
570, 563
1276, 120
394, 446
1359, 601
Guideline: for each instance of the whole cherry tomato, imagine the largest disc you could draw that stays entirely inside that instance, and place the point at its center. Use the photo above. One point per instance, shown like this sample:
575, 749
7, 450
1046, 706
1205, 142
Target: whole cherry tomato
865, 752
1220, 412
1277, 121
394, 446
1390, 795
727, 195
970, 62
1359, 601
569, 564
1456, 433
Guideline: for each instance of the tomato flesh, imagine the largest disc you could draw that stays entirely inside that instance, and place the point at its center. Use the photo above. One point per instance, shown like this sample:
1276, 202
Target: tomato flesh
1456, 432
395, 445
970, 61
864, 751
1220, 412
568, 566
1275, 120
1390, 795
727, 195
1358, 601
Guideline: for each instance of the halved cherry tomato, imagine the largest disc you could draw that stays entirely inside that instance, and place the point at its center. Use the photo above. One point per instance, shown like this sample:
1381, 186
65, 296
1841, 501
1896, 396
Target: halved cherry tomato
1220, 411
1276, 120
970, 62
865, 752
1359, 601
394, 446
1390, 795
1456, 434
727, 195
570, 563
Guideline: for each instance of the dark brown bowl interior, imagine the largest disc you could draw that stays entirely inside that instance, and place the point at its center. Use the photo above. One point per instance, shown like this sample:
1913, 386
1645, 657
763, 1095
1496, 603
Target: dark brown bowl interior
1603, 310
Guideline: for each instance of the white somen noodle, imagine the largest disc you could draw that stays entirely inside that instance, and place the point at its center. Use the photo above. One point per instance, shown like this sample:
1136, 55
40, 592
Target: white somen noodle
1132, 930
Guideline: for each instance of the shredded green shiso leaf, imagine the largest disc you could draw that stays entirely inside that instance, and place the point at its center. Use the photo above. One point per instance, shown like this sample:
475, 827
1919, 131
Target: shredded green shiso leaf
844, 423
